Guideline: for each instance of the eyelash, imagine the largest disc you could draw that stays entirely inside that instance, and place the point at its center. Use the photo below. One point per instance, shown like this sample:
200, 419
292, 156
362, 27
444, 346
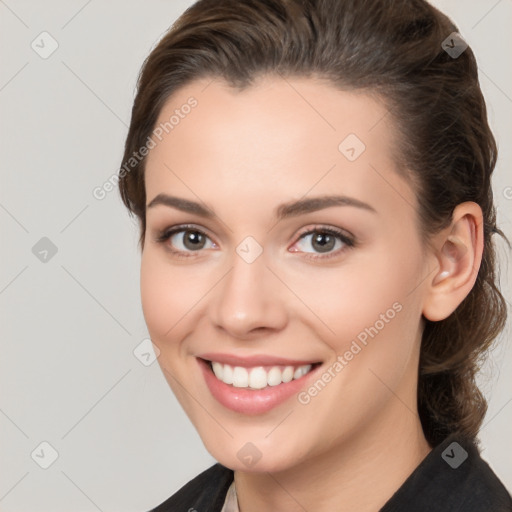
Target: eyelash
348, 241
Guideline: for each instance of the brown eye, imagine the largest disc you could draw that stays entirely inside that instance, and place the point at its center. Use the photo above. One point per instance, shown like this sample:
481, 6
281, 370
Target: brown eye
325, 240
183, 240
192, 240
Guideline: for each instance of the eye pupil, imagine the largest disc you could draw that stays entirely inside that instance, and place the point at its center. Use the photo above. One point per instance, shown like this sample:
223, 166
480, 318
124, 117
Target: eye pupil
325, 245
195, 238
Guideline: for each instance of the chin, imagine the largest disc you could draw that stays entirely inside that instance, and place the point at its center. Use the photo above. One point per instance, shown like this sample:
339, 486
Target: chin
248, 458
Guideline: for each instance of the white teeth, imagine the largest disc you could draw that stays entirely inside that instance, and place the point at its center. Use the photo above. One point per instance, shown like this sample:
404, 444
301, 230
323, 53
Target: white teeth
218, 370
240, 377
274, 376
288, 374
257, 377
298, 373
227, 375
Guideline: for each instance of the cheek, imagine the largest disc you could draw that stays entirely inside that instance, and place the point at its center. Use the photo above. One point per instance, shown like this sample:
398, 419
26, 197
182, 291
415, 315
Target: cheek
375, 312
171, 296
156, 303
163, 297
373, 321
164, 304
369, 300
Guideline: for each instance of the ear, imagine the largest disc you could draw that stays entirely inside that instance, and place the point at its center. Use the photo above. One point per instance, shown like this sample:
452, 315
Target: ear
458, 254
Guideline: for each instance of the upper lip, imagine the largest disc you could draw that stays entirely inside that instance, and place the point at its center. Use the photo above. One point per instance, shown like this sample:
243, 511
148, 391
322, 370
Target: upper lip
254, 360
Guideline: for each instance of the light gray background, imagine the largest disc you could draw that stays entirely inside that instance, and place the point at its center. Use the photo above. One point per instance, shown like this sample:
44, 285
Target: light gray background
69, 326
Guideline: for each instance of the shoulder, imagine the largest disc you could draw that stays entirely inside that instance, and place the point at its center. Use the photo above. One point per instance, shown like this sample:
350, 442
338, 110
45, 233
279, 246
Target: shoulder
480, 487
453, 477
205, 492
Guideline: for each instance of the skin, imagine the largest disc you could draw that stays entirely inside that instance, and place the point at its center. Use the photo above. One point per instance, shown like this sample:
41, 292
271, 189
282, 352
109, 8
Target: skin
243, 154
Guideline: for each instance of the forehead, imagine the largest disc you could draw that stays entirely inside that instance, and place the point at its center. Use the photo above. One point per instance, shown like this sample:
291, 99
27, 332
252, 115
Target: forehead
280, 137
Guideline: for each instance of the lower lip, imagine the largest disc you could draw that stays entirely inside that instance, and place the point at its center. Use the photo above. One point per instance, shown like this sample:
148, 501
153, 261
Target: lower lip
251, 401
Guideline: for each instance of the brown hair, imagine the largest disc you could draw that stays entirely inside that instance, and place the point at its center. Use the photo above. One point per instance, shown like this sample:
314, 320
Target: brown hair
393, 49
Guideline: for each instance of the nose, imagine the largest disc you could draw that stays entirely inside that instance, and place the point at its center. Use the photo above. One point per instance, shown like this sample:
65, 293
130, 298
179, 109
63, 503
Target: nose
249, 301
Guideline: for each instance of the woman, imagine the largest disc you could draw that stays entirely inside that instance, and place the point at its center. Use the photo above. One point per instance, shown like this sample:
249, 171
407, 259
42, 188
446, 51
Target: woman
312, 181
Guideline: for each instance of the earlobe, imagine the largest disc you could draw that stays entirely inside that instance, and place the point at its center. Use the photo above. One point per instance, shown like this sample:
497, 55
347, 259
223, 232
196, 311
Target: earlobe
458, 258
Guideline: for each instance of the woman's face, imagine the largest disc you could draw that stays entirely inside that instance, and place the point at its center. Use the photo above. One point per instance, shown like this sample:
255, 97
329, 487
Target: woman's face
275, 276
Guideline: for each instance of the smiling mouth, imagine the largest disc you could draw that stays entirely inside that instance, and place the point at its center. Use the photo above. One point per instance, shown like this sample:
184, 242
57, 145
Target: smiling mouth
258, 377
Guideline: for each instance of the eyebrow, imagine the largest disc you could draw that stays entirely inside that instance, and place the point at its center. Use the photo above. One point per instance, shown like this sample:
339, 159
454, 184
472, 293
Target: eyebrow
283, 211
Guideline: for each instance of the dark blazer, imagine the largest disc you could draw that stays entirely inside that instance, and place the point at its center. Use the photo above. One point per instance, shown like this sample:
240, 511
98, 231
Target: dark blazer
452, 478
